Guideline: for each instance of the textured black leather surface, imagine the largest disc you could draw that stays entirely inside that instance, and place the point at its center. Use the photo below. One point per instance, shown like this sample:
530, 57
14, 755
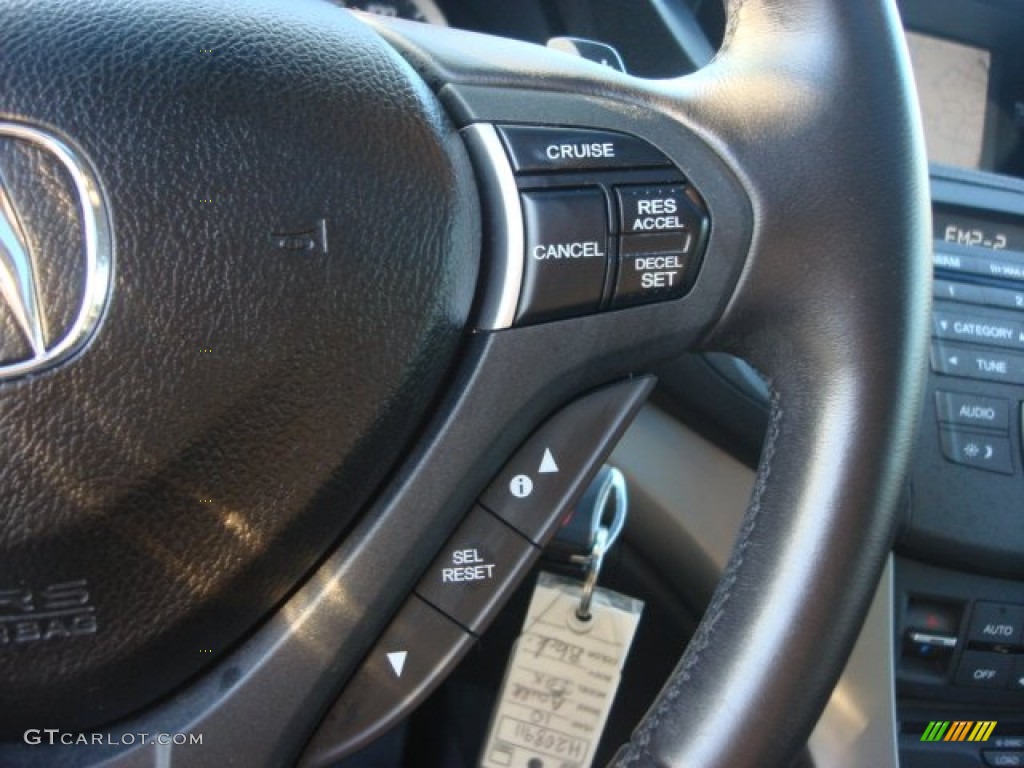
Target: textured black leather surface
192, 489
811, 102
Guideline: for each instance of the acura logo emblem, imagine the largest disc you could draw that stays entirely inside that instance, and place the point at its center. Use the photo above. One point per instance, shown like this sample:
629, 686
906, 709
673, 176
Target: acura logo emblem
55, 250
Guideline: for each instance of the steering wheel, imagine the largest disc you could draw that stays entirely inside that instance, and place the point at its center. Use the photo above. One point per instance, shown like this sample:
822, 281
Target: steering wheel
248, 389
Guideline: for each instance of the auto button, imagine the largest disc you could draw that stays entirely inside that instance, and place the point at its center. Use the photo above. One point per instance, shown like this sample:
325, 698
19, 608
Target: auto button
997, 623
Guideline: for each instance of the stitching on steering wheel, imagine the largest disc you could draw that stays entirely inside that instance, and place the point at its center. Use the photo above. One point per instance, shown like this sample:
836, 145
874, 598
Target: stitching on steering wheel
639, 746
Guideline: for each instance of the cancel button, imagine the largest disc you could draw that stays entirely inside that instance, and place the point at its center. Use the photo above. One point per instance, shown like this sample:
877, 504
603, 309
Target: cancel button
566, 253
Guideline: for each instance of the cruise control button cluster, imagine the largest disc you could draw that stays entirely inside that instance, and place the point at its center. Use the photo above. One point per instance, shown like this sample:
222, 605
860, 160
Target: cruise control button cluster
594, 239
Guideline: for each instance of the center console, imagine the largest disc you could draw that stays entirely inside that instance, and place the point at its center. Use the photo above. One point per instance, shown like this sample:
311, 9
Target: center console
959, 583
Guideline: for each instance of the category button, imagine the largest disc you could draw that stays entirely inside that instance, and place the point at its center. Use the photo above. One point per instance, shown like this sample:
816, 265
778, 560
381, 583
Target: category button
476, 569
977, 450
656, 209
566, 254
973, 410
961, 326
539, 149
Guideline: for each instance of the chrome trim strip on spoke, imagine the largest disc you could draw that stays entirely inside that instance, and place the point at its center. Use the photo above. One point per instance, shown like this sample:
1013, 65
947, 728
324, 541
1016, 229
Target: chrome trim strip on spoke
504, 238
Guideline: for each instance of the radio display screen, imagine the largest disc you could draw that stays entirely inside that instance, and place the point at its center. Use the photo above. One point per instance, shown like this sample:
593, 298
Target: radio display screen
963, 226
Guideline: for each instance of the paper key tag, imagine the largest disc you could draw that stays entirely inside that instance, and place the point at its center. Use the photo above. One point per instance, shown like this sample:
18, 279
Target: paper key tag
562, 678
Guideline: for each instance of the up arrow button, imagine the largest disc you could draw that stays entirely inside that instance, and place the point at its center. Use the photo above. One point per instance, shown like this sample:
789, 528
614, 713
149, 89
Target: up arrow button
558, 461
548, 464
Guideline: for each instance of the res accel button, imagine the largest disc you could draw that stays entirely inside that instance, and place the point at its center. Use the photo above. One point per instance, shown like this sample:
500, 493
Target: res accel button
566, 253
656, 209
478, 566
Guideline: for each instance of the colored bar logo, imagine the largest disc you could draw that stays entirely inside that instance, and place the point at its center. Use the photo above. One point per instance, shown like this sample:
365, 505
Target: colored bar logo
959, 730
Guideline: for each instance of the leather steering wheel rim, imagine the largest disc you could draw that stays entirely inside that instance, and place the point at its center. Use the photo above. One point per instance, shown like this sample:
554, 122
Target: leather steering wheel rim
846, 370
